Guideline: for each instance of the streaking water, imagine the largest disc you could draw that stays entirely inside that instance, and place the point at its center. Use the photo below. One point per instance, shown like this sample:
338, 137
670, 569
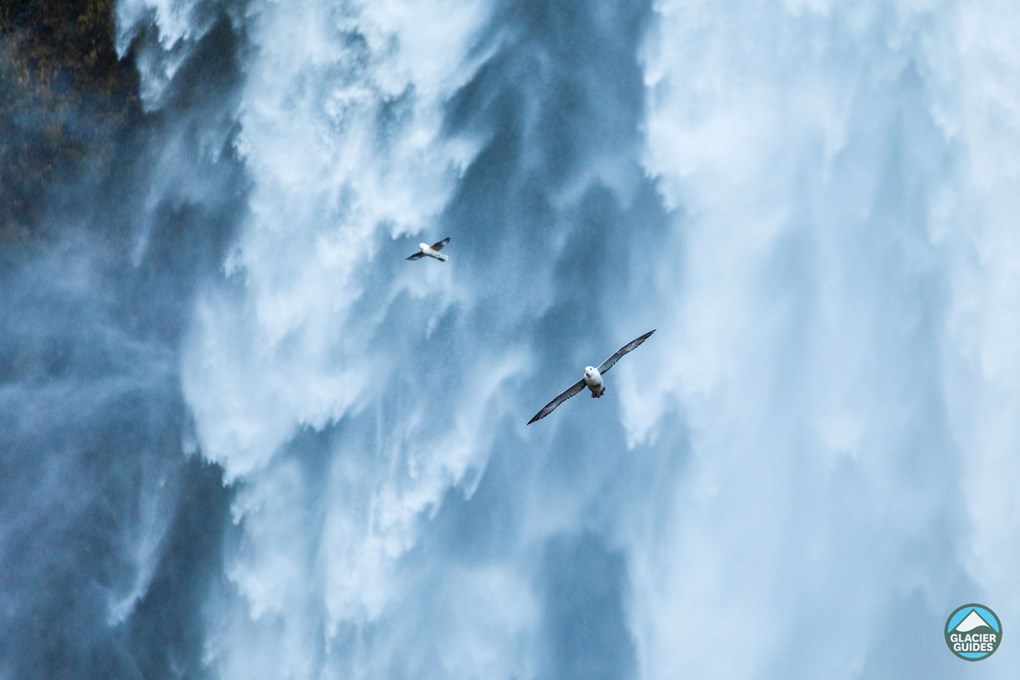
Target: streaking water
845, 332
803, 472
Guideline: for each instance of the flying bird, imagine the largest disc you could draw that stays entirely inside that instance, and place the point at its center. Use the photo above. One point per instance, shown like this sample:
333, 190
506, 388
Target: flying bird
431, 250
592, 378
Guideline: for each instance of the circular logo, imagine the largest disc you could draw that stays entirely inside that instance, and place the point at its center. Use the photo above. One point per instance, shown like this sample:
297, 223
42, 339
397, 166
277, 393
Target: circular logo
973, 632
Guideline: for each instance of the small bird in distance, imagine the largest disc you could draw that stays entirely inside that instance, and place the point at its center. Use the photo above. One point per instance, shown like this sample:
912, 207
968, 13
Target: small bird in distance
426, 250
592, 378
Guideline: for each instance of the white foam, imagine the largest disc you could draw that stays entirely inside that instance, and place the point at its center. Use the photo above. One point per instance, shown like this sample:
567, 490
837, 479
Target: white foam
843, 350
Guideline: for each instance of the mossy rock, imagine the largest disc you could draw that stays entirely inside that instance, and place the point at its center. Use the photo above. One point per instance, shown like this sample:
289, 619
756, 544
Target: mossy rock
67, 97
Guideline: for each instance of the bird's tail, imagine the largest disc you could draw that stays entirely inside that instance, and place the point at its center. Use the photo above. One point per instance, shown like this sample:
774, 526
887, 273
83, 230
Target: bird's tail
441, 257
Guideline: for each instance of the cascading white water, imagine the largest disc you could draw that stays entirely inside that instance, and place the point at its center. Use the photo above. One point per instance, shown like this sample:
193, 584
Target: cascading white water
845, 300
802, 473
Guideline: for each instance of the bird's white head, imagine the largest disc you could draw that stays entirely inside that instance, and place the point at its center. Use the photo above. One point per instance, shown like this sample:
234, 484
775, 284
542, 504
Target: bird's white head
423, 246
589, 370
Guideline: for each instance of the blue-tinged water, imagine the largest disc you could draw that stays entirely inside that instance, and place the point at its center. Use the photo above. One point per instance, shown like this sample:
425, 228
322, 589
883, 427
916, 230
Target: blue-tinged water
259, 443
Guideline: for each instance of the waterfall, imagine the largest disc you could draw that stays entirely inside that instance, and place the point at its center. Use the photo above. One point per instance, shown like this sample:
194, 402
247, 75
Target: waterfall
839, 179
259, 443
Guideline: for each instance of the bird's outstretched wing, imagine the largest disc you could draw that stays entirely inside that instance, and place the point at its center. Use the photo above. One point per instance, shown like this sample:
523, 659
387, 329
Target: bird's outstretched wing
416, 256
439, 245
611, 361
551, 406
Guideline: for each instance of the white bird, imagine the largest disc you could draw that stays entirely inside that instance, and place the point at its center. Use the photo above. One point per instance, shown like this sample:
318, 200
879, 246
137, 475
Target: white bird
592, 378
431, 250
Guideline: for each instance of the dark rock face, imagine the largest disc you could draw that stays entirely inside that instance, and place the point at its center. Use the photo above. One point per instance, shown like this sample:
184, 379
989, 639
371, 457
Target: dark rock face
67, 102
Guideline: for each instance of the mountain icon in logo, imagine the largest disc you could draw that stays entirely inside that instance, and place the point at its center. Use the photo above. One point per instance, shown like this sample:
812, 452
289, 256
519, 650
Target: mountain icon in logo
973, 621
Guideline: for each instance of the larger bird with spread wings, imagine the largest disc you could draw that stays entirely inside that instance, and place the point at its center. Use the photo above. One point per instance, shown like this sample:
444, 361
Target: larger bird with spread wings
592, 378
426, 250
